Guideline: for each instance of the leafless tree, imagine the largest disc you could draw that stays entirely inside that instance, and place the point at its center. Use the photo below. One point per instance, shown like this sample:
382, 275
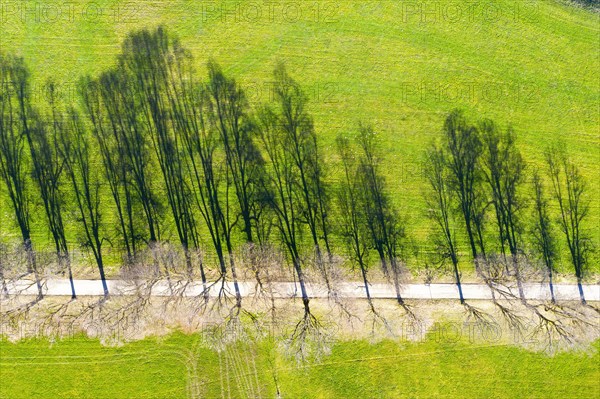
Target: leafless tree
569, 192
114, 164
208, 175
440, 207
385, 226
464, 148
131, 138
300, 141
503, 170
74, 148
155, 62
14, 108
353, 220
48, 165
544, 239
282, 180
229, 115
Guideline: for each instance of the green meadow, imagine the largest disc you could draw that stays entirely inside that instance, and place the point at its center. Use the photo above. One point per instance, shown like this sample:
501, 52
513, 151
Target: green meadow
178, 366
398, 65
401, 66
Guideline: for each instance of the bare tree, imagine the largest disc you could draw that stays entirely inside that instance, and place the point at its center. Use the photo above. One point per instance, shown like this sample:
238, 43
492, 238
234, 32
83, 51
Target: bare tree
440, 207
299, 196
503, 170
300, 141
48, 166
286, 202
74, 148
131, 136
187, 113
14, 105
115, 170
543, 236
208, 175
385, 226
282, 181
229, 114
155, 61
464, 148
353, 224
569, 192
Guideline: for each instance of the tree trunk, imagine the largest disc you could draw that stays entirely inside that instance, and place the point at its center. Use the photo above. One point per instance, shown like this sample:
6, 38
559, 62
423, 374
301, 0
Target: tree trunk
366, 282
519, 280
305, 299
551, 284
457, 276
31, 264
102, 276
580, 287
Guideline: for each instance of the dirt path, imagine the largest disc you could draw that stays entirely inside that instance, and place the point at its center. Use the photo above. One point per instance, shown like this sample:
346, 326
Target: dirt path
534, 291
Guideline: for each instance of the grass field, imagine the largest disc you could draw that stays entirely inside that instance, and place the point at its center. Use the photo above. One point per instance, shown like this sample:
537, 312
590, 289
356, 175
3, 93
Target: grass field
176, 367
399, 65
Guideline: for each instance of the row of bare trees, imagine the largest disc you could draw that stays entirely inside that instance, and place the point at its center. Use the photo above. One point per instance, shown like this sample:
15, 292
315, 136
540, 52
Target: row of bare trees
157, 152
476, 174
